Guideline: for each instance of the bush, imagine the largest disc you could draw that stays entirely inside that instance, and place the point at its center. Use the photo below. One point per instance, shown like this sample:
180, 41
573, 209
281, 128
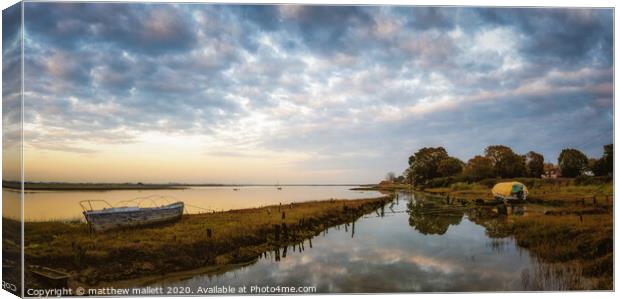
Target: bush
489, 183
592, 180
444, 181
463, 186
528, 182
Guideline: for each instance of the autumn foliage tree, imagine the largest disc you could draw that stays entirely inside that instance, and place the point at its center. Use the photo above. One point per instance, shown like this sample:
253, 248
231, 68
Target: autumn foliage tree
605, 165
432, 166
535, 164
424, 164
572, 162
506, 164
478, 168
450, 166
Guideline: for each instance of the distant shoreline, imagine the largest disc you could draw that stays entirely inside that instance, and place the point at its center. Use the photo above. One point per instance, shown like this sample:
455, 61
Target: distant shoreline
60, 186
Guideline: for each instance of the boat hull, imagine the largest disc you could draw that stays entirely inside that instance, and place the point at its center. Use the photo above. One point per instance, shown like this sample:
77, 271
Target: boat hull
109, 219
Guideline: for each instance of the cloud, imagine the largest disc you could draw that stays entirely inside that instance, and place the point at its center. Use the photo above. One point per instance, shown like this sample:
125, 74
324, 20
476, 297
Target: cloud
11, 77
333, 84
144, 28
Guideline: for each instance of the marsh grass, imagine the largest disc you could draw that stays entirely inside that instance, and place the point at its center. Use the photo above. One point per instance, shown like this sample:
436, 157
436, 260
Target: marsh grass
585, 240
540, 190
237, 236
564, 224
576, 238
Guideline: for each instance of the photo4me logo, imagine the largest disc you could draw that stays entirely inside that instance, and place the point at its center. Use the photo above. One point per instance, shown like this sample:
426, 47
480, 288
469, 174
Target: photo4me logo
9, 286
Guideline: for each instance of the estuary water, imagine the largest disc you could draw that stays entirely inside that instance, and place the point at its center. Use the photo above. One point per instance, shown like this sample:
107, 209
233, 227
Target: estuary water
64, 205
404, 247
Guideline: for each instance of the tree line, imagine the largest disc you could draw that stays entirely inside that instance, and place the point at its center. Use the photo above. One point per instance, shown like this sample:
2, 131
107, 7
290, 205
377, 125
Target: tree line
499, 161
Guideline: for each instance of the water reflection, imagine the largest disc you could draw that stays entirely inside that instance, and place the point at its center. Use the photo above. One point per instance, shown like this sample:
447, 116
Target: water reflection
433, 218
381, 253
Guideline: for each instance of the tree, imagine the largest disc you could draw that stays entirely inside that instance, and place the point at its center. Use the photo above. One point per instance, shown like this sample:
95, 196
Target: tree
572, 162
390, 176
605, 165
450, 166
593, 164
424, 164
408, 176
478, 168
535, 164
506, 164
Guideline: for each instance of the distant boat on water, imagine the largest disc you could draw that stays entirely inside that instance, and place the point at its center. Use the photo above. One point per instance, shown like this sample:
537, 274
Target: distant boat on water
121, 217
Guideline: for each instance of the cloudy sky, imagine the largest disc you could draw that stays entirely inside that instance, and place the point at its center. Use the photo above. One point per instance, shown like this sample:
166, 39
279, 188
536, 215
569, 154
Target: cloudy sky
304, 94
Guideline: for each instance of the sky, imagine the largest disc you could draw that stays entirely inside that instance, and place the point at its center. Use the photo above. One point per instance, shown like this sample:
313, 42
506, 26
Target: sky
118, 92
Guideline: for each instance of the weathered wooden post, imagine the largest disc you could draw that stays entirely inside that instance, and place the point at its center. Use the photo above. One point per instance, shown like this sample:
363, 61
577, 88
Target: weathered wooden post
276, 228
285, 231
310, 242
277, 254
594, 200
502, 210
352, 230
209, 233
283, 215
284, 251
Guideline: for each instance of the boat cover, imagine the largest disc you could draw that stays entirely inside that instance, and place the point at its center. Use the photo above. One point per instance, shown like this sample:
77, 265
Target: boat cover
508, 189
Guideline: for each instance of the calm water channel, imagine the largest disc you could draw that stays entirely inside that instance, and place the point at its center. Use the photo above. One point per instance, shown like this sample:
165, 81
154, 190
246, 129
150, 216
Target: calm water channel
409, 246
64, 205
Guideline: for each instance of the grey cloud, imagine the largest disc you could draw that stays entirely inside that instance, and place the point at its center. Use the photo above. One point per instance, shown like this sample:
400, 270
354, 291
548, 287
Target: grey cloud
339, 80
144, 28
559, 36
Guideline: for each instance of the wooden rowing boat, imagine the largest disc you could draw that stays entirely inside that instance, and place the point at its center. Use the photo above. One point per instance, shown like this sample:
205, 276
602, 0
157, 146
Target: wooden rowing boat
52, 277
122, 217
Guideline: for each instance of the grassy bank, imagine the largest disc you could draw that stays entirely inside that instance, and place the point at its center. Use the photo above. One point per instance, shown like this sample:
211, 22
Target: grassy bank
563, 224
567, 237
203, 240
385, 187
552, 192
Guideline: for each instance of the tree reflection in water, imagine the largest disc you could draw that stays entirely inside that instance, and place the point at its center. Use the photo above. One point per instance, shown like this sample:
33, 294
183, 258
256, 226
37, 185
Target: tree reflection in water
431, 217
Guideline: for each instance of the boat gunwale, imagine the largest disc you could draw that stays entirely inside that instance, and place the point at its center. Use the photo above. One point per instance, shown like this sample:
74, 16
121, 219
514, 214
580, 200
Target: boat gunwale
171, 206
